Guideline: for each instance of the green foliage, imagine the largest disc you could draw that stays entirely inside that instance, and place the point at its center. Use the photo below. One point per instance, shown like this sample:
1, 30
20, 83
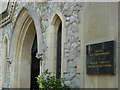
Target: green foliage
51, 82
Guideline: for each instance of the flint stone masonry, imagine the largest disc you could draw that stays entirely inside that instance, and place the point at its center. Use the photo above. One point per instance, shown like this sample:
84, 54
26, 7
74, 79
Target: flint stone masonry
68, 83
75, 82
45, 10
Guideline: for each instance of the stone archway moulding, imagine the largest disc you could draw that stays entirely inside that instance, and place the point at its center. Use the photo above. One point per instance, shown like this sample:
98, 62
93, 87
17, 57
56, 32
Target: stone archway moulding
38, 28
5, 50
62, 17
5, 38
24, 19
35, 18
56, 18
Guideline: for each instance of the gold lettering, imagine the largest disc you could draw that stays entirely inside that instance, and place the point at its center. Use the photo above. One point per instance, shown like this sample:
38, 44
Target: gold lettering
102, 53
100, 50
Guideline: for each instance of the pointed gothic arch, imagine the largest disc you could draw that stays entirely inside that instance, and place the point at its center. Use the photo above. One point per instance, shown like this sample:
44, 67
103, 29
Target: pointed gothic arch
26, 27
56, 28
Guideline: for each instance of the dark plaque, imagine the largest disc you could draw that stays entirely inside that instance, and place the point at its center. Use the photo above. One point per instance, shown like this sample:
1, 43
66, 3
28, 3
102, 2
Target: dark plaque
101, 58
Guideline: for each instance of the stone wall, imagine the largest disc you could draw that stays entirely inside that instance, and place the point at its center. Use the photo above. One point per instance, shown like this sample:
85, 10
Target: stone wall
100, 26
84, 23
71, 12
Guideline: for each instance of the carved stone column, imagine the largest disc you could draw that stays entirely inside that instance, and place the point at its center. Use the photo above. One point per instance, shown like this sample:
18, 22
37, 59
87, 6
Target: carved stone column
9, 62
40, 57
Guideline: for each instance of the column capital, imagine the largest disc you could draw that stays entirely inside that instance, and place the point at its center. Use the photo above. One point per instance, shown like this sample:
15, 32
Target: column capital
9, 60
39, 56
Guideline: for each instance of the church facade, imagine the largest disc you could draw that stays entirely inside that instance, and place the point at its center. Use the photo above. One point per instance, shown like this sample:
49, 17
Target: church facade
76, 40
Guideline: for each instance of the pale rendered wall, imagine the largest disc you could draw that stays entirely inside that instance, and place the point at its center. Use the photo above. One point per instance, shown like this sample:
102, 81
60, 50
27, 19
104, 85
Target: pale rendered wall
101, 24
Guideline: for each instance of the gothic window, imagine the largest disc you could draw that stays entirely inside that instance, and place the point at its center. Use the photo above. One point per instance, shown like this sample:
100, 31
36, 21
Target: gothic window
56, 39
59, 39
58, 44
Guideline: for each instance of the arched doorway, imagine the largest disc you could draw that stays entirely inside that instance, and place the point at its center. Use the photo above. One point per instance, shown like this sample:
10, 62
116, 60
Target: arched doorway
27, 28
29, 65
35, 65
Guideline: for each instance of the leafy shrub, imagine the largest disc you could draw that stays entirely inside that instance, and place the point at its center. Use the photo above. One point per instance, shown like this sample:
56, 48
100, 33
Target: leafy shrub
51, 82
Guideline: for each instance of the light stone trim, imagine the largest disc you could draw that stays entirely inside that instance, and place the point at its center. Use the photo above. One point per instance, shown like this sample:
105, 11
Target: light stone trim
39, 56
52, 42
19, 58
4, 39
81, 59
5, 51
24, 19
38, 28
23, 55
62, 17
16, 56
